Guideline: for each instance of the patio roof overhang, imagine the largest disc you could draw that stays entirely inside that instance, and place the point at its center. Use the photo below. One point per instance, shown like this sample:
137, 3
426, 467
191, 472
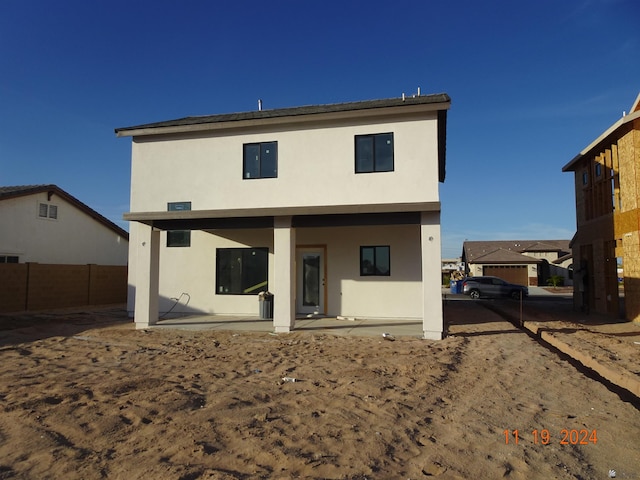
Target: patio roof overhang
318, 216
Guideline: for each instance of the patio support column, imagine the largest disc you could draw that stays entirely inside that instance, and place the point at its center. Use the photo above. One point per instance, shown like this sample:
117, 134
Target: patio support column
147, 276
432, 319
284, 249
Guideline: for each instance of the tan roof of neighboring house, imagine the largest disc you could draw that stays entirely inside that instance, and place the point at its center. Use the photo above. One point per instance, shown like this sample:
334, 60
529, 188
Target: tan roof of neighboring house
511, 251
23, 190
503, 256
563, 258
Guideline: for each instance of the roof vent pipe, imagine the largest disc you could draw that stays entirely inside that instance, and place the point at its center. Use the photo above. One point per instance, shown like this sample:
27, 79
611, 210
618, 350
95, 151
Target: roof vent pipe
259, 105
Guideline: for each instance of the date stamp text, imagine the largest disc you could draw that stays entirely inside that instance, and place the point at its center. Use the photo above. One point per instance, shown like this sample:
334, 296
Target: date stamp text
566, 436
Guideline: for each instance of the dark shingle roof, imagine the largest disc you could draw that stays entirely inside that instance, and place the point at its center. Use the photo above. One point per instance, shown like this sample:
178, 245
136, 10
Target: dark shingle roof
23, 190
20, 190
296, 111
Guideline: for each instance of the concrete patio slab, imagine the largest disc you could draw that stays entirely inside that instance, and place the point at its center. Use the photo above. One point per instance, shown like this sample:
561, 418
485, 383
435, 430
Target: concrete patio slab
332, 325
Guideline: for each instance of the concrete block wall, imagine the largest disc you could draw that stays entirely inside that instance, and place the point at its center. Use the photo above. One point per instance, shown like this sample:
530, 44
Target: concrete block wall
33, 286
13, 287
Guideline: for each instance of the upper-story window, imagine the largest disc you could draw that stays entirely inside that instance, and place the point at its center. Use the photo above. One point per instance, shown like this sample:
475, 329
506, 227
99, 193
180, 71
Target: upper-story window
598, 169
178, 238
374, 153
46, 210
260, 160
585, 178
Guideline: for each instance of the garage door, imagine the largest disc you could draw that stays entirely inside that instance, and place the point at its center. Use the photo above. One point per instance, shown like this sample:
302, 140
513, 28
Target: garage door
510, 273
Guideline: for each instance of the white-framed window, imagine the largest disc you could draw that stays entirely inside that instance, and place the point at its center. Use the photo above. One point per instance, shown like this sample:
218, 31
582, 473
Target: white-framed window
47, 210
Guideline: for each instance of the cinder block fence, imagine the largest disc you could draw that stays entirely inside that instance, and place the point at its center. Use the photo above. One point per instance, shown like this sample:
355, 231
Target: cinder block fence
34, 286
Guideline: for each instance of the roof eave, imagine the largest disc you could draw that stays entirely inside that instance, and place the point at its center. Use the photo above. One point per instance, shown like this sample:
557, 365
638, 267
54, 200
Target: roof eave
293, 118
150, 217
612, 129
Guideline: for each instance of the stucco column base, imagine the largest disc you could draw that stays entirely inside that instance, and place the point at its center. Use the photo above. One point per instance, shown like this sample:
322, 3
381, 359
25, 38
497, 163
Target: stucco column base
428, 335
284, 249
282, 329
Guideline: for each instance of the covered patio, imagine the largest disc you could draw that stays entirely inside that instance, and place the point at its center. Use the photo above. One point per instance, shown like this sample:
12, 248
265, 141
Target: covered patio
287, 231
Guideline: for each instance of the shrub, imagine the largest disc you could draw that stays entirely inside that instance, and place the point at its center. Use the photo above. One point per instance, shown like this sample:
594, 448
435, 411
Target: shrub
556, 281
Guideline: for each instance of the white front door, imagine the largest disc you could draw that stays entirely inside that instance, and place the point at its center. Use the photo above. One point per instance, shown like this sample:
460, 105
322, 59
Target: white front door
310, 281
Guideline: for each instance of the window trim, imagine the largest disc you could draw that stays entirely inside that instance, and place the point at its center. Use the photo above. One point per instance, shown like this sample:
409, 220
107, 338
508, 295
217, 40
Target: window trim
260, 146
373, 137
375, 272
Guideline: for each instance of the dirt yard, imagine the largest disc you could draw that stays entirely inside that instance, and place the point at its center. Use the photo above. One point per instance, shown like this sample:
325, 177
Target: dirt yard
88, 397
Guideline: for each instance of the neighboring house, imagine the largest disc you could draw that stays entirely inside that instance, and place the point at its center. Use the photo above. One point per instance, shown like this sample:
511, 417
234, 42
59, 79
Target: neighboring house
607, 189
45, 224
452, 268
333, 208
525, 262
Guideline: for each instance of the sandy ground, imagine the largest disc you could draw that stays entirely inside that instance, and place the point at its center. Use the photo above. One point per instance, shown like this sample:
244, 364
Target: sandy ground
87, 396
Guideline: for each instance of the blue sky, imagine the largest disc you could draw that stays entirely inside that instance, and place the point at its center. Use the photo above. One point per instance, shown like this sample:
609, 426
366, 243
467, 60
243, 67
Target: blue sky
532, 83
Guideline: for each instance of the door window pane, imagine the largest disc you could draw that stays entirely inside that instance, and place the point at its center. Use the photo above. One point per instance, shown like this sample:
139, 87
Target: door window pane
311, 280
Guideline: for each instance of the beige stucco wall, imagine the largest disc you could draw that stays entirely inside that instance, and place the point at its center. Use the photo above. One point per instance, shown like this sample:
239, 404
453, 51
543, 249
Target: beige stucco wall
73, 238
315, 167
192, 270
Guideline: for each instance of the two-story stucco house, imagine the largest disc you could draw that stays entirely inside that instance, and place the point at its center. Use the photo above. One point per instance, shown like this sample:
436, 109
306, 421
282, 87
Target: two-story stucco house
45, 224
333, 208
